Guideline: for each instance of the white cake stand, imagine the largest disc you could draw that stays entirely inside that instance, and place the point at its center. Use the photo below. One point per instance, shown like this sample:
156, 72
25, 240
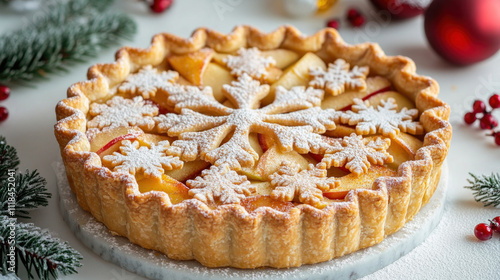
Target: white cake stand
154, 265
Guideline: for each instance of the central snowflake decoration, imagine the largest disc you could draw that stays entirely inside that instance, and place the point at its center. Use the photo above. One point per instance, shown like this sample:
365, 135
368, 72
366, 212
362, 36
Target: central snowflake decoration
356, 153
337, 78
222, 184
249, 61
385, 119
152, 161
294, 120
119, 111
147, 81
307, 185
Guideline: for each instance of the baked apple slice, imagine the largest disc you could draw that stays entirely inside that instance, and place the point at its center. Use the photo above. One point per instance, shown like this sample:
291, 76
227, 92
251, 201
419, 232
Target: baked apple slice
251, 172
283, 57
352, 181
295, 75
271, 160
189, 170
251, 203
400, 99
374, 86
177, 191
215, 76
108, 141
192, 65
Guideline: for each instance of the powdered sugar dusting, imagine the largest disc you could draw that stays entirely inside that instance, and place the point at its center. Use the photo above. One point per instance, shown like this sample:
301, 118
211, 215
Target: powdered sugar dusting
222, 184
294, 121
385, 119
338, 78
307, 185
147, 81
357, 153
152, 161
119, 111
249, 61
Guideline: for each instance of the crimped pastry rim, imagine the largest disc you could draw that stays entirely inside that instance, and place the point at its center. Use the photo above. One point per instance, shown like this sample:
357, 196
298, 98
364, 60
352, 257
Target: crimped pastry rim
71, 126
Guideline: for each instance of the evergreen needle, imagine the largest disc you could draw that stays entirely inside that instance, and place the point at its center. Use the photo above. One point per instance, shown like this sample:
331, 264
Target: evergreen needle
486, 189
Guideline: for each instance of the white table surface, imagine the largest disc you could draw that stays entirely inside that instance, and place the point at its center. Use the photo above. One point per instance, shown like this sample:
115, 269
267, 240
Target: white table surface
451, 251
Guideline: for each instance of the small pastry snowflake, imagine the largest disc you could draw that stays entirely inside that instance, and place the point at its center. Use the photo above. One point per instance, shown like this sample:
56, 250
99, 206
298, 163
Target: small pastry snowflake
249, 61
385, 119
147, 81
294, 119
337, 78
152, 161
119, 111
357, 153
307, 185
222, 183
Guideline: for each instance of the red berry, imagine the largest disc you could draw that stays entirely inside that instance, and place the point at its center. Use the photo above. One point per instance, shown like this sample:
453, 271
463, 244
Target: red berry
497, 139
478, 106
4, 92
352, 13
488, 122
159, 6
4, 113
333, 23
483, 232
494, 101
495, 222
470, 118
358, 21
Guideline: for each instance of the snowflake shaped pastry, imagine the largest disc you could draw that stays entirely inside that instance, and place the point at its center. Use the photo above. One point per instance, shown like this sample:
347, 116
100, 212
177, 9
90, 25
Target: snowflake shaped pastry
119, 111
385, 119
222, 183
293, 119
307, 185
153, 161
337, 78
147, 81
356, 153
249, 61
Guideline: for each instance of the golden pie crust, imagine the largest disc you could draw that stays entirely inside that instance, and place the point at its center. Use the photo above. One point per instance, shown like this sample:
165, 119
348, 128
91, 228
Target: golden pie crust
229, 235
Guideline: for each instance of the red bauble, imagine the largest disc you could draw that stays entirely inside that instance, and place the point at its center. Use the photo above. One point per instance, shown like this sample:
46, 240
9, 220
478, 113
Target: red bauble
159, 6
464, 31
483, 232
402, 9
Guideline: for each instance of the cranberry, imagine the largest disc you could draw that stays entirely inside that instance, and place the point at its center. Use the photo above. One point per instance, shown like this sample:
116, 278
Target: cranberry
494, 101
4, 92
159, 6
352, 13
483, 232
4, 113
333, 23
495, 222
478, 106
488, 122
470, 118
358, 21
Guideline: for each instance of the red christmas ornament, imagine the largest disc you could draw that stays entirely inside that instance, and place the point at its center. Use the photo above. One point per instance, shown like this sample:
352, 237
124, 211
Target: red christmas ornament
464, 31
402, 9
4, 92
159, 6
4, 113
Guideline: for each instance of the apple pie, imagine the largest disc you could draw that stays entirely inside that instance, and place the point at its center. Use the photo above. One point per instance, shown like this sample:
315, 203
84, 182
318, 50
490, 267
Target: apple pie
254, 149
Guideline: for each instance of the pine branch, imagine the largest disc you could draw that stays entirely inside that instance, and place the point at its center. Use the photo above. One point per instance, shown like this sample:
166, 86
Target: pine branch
8, 158
26, 192
68, 33
37, 250
486, 189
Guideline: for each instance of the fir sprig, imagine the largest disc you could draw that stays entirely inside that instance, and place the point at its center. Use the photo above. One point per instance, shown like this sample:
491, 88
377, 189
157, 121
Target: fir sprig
37, 250
8, 158
69, 32
22, 193
486, 189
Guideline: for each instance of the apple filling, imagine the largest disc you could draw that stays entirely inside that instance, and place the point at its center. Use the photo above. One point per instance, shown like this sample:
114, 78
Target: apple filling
181, 122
